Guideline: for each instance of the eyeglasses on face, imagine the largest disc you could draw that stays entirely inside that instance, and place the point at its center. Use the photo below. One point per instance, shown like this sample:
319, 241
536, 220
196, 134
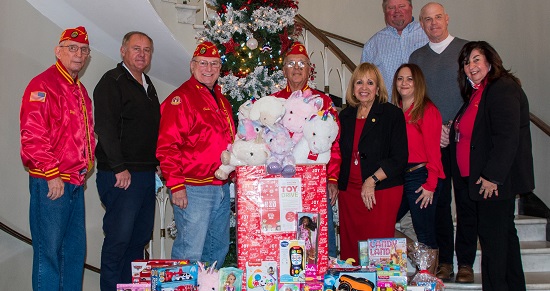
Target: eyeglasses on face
292, 64
203, 63
74, 48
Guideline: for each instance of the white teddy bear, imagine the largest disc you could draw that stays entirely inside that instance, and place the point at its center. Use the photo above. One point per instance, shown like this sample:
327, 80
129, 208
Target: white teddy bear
241, 153
267, 110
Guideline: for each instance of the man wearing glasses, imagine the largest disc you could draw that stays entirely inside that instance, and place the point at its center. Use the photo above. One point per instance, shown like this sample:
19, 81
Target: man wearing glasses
127, 115
57, 147
297, 69
196, 126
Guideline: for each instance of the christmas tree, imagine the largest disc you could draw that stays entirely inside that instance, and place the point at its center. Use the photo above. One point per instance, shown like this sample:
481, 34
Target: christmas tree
252, 37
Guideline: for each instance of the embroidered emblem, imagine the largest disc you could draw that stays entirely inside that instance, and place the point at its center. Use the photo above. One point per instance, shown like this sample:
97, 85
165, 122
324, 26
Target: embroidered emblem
38, 96
203, 50
205, 109
74, 34
176, 100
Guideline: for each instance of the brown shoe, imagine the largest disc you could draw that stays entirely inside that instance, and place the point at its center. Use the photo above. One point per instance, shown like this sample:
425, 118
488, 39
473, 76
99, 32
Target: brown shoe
445, 272
465, 274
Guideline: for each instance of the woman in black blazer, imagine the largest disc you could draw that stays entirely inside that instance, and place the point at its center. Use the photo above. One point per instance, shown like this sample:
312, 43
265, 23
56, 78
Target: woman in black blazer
492, 162
373, 144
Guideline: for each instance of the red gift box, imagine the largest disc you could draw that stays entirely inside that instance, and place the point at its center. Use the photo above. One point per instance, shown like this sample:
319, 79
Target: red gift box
260, 224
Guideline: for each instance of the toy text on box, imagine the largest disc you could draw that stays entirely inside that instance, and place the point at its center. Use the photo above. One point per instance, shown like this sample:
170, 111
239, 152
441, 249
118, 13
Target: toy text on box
255, 243
385, 254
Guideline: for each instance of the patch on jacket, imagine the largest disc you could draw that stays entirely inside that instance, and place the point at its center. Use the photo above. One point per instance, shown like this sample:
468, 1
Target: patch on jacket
38, 96
176, 100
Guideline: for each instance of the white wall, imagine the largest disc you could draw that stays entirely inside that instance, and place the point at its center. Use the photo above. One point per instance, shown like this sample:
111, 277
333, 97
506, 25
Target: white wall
515, 28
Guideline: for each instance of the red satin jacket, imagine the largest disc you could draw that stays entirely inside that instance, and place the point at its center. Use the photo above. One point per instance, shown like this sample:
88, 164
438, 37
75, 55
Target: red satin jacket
194, 129
333, 166
56, 125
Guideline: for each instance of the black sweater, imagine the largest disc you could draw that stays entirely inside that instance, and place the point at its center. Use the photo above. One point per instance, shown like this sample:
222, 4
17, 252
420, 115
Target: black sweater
126, 122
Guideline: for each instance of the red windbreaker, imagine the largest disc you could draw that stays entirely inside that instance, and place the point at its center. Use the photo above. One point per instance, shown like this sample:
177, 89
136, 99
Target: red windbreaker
194, 129
56, 125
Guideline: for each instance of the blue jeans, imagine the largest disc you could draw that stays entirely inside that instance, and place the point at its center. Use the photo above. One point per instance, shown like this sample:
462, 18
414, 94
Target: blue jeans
127, 224
203, 227
58, 235
332, 251
423, 219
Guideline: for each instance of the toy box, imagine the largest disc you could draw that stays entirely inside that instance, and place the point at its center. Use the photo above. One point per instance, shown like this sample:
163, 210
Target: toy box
231, 279
292, 261
306, 229
267, 207
386, 254
356, 280
289, 287
392, 283
262, 276
141, 269
133, 287
183, 277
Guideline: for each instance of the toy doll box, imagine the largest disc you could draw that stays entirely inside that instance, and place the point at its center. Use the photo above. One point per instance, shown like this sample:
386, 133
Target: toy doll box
266, 211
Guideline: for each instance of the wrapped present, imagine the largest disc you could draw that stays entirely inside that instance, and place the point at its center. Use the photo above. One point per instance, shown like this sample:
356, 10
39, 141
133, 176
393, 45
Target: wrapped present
423, 258
267, 207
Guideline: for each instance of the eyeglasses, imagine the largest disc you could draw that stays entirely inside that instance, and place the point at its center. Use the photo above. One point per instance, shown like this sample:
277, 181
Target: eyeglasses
74, 48
138, 50
292, 64
204, 64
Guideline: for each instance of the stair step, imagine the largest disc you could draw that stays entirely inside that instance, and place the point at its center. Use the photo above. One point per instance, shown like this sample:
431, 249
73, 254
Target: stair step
535, 281
530, 228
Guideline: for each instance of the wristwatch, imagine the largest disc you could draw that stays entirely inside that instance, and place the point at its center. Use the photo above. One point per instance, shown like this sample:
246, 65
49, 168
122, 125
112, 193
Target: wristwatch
376, 180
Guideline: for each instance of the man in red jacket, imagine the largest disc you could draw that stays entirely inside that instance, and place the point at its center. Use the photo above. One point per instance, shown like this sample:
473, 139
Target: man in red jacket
196, 126
57, 147
297, 69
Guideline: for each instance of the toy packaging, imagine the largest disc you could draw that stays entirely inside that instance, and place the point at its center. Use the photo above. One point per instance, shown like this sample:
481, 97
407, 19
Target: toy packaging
184, 277
292, 261
261, 277
306, 229
387, 254
356, 280
289, 287
231, 279
313, 285
257, 215
141, 269
392, 283
133, 287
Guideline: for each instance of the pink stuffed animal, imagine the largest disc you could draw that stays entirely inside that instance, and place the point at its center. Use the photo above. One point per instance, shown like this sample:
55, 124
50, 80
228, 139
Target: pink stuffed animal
209, 279
299, 108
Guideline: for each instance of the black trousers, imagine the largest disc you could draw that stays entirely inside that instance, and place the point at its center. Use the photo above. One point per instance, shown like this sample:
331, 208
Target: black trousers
466, 228
501, 267
444, 228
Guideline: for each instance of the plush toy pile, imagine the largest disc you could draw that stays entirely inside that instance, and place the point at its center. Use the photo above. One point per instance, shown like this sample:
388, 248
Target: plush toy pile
280, 134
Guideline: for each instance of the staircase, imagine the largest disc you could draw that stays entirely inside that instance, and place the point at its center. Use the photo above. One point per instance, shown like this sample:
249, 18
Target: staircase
535, 253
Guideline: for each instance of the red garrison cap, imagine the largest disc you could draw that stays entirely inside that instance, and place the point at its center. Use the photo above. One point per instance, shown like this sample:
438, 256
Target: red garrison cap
206, 49
78, 34
297, 48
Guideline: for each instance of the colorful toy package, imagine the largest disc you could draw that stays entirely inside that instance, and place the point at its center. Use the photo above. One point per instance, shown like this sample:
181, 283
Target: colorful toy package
262, 276
386, 254
356, 280
133, 287
306, 229
267, 207
292, 261
392, 283
141, 269
184, 277
231, 279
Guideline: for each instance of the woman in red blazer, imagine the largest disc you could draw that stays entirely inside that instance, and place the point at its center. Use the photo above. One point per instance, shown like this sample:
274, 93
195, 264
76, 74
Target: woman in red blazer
492, 162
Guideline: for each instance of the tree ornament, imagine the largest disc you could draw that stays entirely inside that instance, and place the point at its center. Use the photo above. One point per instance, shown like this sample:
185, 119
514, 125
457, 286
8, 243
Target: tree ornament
252, 43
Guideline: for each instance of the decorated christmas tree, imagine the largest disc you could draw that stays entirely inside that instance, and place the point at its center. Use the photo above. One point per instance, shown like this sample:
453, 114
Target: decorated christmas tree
252, 37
